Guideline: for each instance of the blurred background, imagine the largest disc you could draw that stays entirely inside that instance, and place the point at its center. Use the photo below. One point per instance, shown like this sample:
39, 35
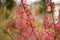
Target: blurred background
8, 15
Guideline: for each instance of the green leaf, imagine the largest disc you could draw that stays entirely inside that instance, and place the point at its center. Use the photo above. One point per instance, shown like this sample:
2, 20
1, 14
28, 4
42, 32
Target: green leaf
10, 4
43, 8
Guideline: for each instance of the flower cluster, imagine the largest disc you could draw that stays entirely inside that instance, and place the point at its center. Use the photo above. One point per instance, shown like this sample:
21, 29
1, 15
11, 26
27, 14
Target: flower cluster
25, 22
27, 28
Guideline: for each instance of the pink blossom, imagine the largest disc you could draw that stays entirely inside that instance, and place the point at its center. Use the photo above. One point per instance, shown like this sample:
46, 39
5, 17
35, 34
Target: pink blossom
20, 15
24, 34
28, 23
31, 33
58, 27
47, 38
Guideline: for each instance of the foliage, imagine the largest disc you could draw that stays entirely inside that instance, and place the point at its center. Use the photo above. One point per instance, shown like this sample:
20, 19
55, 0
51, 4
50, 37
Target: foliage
43, 6
5, 16
10, 4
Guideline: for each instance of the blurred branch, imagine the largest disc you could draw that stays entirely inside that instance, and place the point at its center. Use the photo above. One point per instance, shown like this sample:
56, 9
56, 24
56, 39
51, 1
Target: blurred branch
4, 30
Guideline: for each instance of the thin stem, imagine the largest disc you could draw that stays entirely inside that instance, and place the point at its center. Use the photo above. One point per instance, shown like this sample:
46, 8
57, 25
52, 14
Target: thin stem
33, 31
